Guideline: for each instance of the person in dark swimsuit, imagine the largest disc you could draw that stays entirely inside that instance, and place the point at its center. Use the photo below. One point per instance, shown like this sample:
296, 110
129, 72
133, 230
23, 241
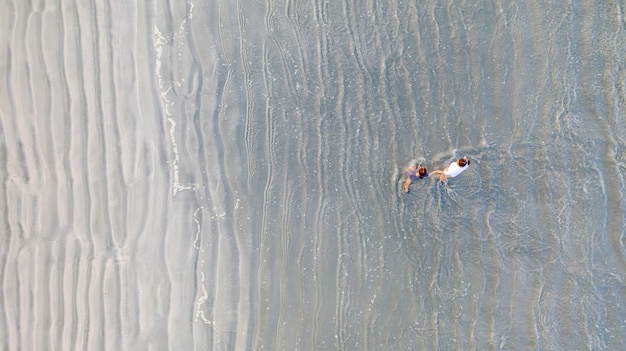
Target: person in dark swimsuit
414, 173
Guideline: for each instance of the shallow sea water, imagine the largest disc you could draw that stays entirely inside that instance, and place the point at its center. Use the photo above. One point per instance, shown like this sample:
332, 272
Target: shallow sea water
228, 175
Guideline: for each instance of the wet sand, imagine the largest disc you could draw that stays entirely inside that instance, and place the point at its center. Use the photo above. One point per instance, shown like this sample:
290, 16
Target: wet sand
229, 176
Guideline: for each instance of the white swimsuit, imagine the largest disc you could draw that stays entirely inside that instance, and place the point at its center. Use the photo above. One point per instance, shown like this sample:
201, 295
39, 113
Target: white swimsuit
454, 170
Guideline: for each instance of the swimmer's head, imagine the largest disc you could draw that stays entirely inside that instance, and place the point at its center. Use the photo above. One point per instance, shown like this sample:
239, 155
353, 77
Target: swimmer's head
462, 162
422, 172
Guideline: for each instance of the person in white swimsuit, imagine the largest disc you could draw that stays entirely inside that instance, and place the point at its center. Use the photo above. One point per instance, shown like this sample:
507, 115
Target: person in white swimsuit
453, 170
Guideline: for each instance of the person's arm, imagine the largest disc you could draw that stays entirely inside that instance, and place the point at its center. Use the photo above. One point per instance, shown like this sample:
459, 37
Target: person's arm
406, 184
442, 175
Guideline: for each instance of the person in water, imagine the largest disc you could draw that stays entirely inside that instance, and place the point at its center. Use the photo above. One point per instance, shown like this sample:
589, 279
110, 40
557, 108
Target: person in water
414, 173
454, 169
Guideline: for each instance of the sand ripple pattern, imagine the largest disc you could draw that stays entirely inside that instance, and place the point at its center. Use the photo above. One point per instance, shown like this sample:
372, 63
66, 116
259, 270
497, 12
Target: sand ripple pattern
226, 175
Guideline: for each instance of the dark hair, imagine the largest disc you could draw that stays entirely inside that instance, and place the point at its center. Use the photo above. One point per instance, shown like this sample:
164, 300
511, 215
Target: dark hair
422, 172
463, 162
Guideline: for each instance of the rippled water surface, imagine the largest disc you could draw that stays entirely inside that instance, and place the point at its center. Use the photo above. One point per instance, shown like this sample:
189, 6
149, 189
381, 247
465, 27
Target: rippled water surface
227, 175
